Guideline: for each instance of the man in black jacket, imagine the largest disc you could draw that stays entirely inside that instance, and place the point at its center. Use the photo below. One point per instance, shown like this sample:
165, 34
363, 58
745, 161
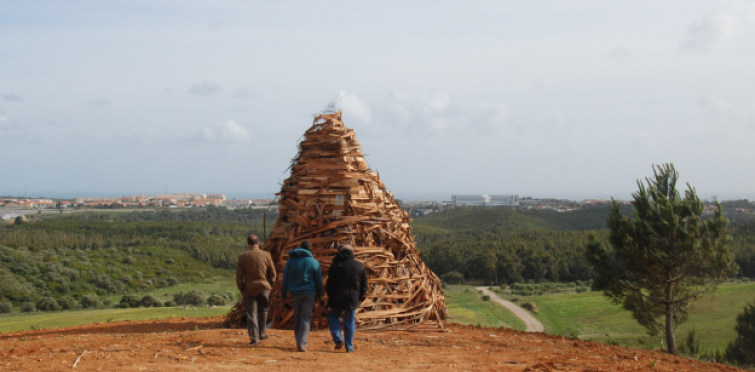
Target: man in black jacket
346, 288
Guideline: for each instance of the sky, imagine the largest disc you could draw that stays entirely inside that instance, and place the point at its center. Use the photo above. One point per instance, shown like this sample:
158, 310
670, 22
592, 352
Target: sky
563, 99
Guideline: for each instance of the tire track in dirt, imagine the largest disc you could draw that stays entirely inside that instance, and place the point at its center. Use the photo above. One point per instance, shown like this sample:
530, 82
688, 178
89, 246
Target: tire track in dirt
532, 324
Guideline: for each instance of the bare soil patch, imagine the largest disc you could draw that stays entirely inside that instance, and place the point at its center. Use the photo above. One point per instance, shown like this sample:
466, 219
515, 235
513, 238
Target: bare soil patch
190, 344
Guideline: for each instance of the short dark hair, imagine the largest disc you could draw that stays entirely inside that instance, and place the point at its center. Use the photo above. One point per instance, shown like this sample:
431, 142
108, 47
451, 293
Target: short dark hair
306, 245
253, 240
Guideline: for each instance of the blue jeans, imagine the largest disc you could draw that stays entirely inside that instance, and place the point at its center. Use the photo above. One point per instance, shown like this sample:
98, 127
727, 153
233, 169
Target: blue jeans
349, 326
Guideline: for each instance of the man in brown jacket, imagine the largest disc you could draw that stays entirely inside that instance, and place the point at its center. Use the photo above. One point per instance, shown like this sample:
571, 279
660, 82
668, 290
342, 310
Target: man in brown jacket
255, 273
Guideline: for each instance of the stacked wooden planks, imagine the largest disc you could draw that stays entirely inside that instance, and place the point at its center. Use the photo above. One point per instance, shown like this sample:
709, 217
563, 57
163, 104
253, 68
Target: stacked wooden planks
333, 197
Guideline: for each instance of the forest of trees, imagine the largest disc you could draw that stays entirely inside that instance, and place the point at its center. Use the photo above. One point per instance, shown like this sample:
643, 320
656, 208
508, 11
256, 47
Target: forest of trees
104, 253
500, 245
69, 257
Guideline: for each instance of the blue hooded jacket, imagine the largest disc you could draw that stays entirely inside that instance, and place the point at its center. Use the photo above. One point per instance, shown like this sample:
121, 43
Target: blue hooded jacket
302, 275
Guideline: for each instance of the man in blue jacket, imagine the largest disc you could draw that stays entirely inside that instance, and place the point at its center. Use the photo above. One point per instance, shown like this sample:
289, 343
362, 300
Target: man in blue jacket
303, 278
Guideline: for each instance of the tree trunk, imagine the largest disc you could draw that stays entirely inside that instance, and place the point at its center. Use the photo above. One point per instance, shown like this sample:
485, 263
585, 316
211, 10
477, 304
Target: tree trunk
670, 339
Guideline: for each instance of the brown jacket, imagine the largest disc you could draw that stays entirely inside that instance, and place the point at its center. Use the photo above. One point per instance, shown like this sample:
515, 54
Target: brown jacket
254, 271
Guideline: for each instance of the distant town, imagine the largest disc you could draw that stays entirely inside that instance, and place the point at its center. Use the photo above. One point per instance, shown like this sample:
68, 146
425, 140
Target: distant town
182, 200
203, 200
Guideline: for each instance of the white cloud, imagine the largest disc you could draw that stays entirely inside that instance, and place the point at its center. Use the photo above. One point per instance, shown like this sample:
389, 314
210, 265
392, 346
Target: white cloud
230, 132
620, 55
354, 107
244, 94
705, 33
100, 102
726, 115
429, 114
205, 88
12, 97
4, 121
216, 25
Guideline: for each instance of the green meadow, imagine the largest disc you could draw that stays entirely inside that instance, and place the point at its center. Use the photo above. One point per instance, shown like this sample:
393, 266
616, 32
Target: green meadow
465, 305
592, 316
27, 321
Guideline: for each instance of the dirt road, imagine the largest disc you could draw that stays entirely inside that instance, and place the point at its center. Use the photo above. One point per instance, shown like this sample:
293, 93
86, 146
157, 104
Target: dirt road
533, 325
189, 345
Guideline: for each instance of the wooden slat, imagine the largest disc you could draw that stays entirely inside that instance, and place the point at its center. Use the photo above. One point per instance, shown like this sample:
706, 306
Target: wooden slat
332, 198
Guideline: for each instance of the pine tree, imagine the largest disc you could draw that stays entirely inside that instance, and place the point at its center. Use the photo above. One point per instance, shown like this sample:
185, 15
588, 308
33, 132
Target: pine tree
741, 350
664, 256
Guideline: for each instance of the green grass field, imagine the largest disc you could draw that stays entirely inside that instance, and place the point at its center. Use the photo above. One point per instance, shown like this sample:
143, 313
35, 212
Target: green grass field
17, 322
592, 316
23, 321
465, 305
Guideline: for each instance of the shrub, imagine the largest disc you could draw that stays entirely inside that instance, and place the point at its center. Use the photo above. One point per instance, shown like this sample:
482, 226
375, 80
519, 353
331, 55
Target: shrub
150, 301
486, 298
170, 304
740, 350
6, 307
216, 300
129, 260
28, 307
90, 301
170, 260
48, 304
68, 303
131, 300
192, 297
124, 305
692, 344
127, 279
453, 277
530, 306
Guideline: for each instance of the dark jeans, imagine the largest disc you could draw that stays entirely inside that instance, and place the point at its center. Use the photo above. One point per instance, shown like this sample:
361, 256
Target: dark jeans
349, 325
256, 314
303, 306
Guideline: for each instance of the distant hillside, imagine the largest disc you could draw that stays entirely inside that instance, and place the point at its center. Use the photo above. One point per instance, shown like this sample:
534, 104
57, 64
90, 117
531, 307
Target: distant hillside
498, 245
502, 218
209, 214
67, 257
73, 265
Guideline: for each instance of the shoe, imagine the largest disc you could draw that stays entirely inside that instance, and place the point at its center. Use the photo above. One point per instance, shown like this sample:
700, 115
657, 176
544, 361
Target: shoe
265, 337
252, 343
349, 350
303, 349
339, 345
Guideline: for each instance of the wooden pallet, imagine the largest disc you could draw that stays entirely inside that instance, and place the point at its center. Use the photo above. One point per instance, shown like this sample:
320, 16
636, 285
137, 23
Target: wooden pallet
331, 198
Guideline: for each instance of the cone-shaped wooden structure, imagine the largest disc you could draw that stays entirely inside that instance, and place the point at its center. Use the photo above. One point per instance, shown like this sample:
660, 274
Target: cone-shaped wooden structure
333, 197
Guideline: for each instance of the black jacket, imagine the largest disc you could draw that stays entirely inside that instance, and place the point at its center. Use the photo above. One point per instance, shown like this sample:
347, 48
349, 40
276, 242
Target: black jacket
347, 281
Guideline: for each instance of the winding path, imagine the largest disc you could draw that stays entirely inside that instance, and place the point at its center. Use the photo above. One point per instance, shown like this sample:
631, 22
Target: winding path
533, 325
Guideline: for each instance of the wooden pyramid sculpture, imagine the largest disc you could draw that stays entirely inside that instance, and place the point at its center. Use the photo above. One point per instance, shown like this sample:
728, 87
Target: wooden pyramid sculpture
332, 198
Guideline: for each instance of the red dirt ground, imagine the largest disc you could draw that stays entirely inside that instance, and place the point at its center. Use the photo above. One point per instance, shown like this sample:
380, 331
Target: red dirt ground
204, 345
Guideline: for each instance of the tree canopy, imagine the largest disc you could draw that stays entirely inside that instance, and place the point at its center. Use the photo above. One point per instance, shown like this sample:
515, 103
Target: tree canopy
664, 256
